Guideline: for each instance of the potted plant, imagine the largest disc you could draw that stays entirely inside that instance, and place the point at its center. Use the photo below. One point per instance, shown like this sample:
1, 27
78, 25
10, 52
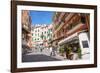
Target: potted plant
69, 50
61, 50
79, 53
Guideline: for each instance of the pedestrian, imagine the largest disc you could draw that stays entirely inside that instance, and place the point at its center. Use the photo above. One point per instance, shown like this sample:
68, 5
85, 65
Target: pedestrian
50, 50
41, 49
66, 52
53, 51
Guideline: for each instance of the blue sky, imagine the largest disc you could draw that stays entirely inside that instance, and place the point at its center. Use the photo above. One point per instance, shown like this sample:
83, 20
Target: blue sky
41, 17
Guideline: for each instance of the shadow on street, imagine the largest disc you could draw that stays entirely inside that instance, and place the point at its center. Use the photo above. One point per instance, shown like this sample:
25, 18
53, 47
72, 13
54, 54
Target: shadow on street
38, 58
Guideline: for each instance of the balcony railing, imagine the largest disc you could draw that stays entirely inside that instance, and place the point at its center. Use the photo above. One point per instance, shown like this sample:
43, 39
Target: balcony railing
26, 27
58, 27
77, 27
61, 16
69, 16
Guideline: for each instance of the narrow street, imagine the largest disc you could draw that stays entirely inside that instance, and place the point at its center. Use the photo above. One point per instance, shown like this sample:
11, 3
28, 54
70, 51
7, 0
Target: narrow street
61, 34
37, 55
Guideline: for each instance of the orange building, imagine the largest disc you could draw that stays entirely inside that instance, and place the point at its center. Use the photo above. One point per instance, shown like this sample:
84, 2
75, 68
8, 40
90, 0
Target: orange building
67, 26
26, 30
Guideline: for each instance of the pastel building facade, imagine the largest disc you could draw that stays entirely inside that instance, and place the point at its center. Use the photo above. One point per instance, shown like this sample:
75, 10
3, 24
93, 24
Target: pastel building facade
41, 34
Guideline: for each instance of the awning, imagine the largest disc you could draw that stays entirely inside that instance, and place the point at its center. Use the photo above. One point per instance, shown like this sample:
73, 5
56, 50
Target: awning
69, 39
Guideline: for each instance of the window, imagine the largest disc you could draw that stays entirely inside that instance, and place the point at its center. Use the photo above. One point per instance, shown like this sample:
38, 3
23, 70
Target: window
85, 44
42, 33
45, 32
83, 20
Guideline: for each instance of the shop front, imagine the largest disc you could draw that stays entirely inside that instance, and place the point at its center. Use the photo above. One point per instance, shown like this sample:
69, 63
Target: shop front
75, 46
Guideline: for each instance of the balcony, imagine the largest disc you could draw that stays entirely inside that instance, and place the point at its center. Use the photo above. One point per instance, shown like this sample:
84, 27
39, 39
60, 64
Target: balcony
61, 36
68, 17
58, 27
26, 28
61, 16
76, 28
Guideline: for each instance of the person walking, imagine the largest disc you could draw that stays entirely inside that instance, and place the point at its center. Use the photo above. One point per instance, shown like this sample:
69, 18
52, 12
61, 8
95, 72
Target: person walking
51, 51
41, 49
